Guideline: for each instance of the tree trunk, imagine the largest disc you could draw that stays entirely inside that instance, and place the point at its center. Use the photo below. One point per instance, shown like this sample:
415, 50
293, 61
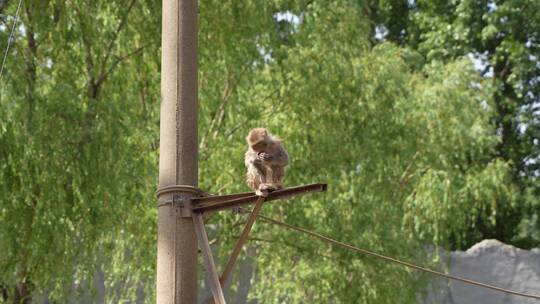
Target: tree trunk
23, 293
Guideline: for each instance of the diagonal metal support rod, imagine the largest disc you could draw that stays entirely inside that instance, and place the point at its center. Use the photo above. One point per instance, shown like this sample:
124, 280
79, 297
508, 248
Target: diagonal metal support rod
240, 243
223, 202
215, 203
217, 291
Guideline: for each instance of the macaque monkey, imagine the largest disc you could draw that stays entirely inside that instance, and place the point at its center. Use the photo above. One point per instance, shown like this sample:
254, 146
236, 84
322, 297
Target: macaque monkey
265, 160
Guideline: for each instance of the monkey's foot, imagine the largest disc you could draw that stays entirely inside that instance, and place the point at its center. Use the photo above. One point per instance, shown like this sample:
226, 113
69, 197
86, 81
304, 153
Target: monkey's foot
262, 192
268, 187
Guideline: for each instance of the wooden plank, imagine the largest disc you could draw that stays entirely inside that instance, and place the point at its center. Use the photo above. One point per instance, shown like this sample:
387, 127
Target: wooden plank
205, 204
217, 291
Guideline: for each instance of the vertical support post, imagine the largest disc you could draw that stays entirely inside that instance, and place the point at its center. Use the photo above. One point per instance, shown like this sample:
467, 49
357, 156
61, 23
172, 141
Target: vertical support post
178, 165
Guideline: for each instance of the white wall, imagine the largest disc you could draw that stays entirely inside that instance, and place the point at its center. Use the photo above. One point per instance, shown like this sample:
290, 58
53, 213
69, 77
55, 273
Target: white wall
494, 263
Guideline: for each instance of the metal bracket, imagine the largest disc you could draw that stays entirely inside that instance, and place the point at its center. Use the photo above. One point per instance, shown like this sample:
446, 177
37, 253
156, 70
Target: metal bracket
179, 206
179, 198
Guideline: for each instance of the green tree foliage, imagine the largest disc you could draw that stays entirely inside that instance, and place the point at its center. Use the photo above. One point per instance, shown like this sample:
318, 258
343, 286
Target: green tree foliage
77, 123
407, 147
407, 155
503, 36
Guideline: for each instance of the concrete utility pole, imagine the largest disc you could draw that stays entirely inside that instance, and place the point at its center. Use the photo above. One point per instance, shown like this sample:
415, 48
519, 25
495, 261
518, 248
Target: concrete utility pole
178, 165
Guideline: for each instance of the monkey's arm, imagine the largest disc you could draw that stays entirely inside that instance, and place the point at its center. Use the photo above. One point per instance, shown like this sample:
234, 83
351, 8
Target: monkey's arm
279, 158
251, 158
283, 157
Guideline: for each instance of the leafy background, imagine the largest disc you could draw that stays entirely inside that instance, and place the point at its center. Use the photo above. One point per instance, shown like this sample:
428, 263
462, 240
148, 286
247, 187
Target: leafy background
422, 116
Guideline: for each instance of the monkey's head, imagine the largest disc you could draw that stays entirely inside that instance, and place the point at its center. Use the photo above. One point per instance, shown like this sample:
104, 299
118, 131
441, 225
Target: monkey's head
258, 139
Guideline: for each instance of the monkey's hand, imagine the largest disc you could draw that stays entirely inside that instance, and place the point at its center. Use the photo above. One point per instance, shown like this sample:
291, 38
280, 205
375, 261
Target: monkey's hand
263, 156
256, 160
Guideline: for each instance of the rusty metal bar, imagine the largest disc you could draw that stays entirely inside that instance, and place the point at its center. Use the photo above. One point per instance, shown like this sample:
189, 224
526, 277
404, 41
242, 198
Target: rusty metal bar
240, 243
213, 275
215, 203
222, 198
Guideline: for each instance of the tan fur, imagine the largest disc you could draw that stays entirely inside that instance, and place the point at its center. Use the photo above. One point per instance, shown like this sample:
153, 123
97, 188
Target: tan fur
265, 160
256, 135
